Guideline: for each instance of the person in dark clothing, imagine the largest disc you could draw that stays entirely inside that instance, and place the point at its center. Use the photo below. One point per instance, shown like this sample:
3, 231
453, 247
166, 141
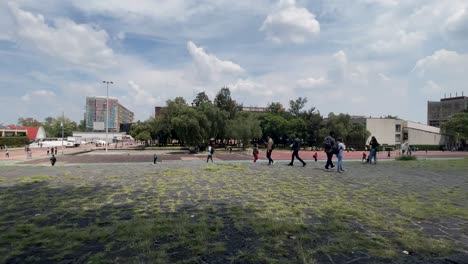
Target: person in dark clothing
53, 160
330, 147
48, 150
295, 147
55, 150
155, 158
374, 145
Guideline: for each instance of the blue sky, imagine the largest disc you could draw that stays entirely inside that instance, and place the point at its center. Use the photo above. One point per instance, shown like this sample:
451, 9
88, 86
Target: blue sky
362, 57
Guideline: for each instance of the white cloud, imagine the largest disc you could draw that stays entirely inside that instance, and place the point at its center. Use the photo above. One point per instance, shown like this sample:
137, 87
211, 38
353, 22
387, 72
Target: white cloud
209, 66
442, 61
140, 96
38, 95
79, 44
289, 23
384, 77
402, 41
432, 87
311, 82
250, 87
458, 23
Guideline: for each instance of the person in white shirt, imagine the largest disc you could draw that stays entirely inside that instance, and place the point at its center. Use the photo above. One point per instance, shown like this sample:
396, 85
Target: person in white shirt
341, 148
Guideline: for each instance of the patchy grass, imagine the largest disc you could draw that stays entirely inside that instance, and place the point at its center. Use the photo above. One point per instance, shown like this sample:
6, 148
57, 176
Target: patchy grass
232, 213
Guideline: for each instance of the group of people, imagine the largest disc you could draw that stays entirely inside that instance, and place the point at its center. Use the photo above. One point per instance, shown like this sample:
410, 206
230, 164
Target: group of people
52, 150
331, 147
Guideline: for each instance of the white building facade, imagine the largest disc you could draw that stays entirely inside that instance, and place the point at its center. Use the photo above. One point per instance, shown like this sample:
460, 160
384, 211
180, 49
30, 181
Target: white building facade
394, 132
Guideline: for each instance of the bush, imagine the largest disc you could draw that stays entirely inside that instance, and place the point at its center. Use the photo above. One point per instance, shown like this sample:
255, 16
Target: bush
406, 157
14, 141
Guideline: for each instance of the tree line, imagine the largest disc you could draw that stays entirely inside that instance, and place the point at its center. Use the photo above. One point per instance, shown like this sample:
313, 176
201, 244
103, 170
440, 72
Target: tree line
203, 120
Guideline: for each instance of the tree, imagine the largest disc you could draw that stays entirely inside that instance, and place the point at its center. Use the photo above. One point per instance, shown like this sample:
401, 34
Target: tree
53, 127
276, 126
223, 99
28, 122
244, 128
217, 119
457, 127
275, 108
191, 127
201, 98
143, 136
295, 106
353, 134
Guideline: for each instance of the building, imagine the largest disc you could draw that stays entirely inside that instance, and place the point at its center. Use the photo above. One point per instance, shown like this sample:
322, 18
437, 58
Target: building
96, 136
33, 133
157, 110
439, 112
95, 115
394, 132
7, 132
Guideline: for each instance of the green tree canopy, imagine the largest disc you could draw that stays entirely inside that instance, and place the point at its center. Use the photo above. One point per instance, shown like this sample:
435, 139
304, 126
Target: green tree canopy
201, 98
295, 106
244, 128
28, 122
457, 126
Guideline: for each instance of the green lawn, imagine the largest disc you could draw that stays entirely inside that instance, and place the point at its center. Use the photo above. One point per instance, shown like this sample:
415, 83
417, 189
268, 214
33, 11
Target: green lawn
233, 213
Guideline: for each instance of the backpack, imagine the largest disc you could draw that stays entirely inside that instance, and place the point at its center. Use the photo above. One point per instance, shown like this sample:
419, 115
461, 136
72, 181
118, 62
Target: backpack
212, 151
327, 144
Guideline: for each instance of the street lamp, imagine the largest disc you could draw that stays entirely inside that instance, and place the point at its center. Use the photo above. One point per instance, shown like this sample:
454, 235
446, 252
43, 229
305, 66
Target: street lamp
107, 111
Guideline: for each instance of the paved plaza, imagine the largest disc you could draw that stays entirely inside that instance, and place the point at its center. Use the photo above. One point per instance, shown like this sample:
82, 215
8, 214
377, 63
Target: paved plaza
127, 210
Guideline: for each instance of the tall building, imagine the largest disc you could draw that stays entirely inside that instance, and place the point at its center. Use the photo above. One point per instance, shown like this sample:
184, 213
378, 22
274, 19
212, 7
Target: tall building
439, 112
96, 114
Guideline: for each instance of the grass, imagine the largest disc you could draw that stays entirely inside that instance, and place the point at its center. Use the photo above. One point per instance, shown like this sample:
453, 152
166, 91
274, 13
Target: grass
230, 213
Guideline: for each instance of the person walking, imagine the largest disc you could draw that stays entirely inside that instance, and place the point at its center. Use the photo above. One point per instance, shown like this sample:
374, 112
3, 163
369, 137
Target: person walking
155, 158
255, 152
295, 147
364, 157
330, 147
55, 150
210, 153
7, 154
48, 150
53, 160
374, 145
341, 148
315, 156
269, 151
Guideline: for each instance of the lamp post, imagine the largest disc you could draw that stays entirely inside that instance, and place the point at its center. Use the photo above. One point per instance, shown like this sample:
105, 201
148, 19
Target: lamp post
62, 124
107, 110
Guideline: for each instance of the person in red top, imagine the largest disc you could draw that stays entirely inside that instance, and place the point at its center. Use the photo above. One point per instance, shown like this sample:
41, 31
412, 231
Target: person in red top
364, 156
315, 156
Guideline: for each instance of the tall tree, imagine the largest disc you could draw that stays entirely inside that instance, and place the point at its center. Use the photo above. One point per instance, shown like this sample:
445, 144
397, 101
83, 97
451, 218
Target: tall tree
28, 122
295, 106
201, 98
53, 127
244, 128
275, 108
457, 127
223, 99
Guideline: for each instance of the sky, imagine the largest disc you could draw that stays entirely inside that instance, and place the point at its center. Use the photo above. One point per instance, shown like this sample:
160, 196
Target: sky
361, 57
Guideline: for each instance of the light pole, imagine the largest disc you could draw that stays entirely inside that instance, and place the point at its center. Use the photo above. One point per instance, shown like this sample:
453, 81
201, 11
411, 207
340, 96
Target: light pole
107, 111
62, 124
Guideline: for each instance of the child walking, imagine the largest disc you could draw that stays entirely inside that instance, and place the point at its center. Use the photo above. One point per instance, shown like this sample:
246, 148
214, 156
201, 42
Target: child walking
364, 157
315, 156
341, 148
255, 152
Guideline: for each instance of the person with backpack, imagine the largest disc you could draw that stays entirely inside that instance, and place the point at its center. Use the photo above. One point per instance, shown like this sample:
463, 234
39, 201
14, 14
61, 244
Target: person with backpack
374, 145
270, 147
295, 147
53, 160
210, 153
330, 147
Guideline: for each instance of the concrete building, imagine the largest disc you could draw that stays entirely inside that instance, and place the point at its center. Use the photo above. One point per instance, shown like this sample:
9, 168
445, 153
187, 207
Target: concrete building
439, 112
7, 132
394, 132
96, 113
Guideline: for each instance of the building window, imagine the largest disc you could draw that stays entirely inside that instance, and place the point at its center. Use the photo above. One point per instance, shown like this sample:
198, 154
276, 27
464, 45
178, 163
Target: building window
397, 138
397, 128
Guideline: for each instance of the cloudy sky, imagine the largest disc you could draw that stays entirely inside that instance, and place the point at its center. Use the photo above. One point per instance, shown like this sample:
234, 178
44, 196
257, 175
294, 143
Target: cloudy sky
363, 57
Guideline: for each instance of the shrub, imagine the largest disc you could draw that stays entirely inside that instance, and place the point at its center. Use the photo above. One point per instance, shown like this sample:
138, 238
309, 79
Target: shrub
14, 141
406, 157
